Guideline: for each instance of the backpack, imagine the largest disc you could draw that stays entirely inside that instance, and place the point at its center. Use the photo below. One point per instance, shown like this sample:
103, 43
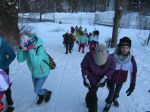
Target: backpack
51, 63
4, 81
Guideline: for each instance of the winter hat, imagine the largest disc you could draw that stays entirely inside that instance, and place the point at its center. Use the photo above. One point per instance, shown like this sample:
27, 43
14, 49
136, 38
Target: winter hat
83, 33
23, 39
125, 41
96, 32
101, 54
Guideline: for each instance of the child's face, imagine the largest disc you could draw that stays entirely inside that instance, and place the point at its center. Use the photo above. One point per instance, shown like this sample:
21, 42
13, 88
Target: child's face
125, 50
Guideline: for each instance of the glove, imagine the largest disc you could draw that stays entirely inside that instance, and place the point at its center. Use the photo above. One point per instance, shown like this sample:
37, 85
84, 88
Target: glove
102, 82
29, 45
86, 81
22, 48
130, 90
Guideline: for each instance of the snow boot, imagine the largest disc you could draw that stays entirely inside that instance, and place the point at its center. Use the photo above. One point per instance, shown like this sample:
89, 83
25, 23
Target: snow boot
40, 100
10, 109
48, 96
116, 103
107, 107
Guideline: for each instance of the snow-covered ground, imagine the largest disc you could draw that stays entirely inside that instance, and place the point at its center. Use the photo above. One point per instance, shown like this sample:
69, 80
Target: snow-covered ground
66, 81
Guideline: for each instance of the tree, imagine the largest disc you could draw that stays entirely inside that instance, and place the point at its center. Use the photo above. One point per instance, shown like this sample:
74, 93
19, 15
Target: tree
148, 39
117, 18
9, 20
24, 6
41, 7
105, 4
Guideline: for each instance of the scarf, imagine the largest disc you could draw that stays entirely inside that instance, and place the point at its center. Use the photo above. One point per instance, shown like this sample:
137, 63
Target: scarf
121, 59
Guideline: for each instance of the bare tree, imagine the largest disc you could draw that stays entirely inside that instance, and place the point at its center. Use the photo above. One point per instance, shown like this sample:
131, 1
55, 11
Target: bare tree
104, 4
84, 5
117, 18
41, 7
9, 20
148, 40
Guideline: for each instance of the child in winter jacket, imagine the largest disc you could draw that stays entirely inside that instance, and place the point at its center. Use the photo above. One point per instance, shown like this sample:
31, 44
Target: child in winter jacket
68, 41
83, 41
89, 38
125, 64
96, 69
7, 55
4, 85
95, 37
33, 52
72, 34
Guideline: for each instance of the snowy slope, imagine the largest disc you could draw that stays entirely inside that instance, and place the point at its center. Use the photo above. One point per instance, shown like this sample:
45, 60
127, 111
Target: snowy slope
66, 80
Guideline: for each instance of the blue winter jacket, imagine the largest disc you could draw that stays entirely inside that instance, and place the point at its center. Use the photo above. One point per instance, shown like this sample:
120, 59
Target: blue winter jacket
7, 54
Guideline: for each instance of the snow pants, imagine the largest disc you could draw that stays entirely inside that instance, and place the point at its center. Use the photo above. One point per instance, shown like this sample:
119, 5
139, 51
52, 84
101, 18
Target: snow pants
81, 46
68, 48
114, 90
91, 99
8, 92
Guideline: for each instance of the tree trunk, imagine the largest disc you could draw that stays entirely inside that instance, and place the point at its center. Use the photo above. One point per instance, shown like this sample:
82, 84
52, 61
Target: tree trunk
117, 18
40, 5
148, 39
84, 5
40, 16
95, 8
9, 22
91, 6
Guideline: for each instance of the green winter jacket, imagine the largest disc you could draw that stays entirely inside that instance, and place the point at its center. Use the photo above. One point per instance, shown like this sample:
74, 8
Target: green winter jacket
83, 39
35, 59
77, 35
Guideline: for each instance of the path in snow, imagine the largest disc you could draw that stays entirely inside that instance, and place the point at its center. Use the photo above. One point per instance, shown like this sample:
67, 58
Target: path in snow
66, 82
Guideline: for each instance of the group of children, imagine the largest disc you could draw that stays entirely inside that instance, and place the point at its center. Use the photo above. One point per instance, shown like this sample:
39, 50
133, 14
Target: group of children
98, 67
82, 38
101, 67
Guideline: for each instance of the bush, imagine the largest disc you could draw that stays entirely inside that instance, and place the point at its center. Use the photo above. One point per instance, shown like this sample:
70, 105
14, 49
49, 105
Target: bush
108, 42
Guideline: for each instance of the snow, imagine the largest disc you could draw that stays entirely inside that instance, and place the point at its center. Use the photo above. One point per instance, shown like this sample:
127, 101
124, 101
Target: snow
83, 18
66, 80
128, 20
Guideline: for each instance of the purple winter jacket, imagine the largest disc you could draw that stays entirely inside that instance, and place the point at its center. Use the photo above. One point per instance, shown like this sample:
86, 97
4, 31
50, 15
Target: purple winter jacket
95, 72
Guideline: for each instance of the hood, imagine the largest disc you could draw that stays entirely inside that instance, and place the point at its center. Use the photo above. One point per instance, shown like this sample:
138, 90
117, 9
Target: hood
38, 42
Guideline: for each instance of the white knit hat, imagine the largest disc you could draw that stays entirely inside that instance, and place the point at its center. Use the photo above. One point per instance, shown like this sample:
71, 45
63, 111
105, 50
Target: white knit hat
101, 54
